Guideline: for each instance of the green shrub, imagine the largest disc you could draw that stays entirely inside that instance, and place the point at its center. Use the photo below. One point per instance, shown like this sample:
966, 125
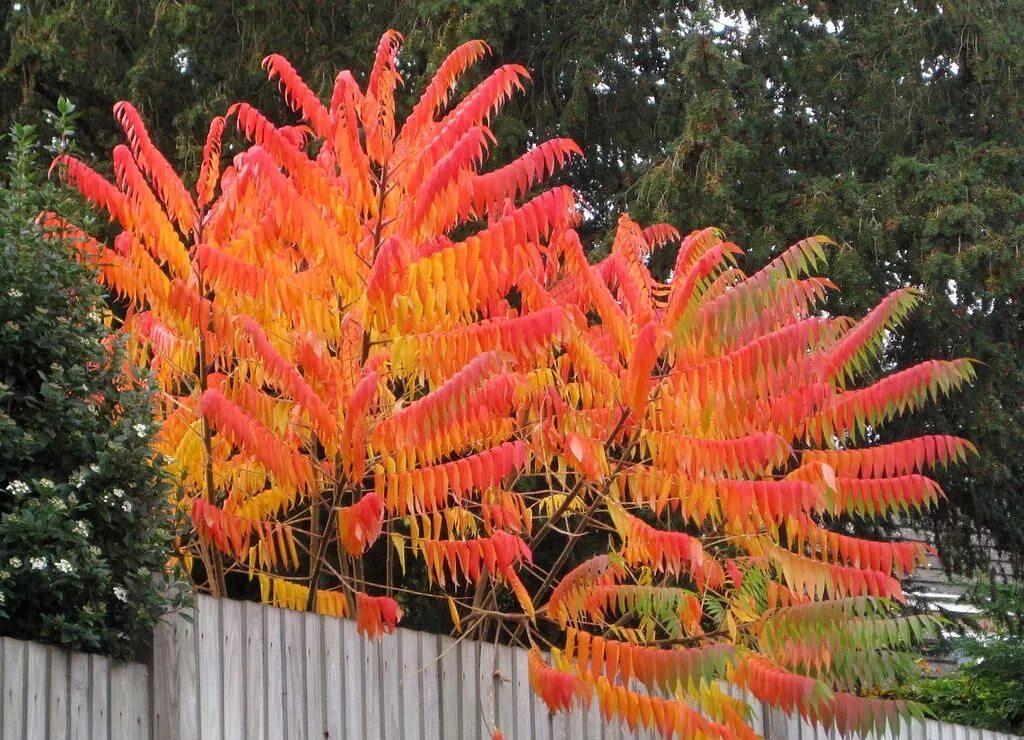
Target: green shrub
84, 507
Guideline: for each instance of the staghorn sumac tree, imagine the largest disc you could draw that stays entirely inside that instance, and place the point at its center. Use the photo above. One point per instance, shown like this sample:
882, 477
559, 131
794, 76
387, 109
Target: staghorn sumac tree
373, 353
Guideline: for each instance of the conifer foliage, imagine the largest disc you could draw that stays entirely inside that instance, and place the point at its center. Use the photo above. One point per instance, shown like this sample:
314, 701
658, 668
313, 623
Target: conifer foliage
368, 344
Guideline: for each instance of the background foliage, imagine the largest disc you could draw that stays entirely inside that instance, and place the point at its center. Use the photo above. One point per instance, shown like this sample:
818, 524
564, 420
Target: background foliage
893, 126
84, 506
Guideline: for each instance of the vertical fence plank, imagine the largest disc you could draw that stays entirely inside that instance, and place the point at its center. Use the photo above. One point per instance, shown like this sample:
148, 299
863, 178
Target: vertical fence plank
14, 688
352, 663
211, 671
390, 681
37, 688
314, 663
231, 632
294, 675
188, 673
373, 727
60, 691
489, 678
99, 697
166, 681
410, 683
129, 701
451, 696
78, 703
254, 648
504, 693
469, 688
333, 697
274, 684
430, 677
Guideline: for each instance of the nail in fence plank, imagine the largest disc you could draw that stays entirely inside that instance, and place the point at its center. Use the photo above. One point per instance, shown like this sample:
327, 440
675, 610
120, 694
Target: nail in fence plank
231, 631
294, 675
60, 691
333, 696
37, 688
274, 681
254, 649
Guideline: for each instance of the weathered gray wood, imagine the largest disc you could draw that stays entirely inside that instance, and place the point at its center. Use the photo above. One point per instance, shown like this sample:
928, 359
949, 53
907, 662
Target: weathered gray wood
352, 670
294, 675
430, 682
334, 698
129, 701
253, 667
60, 691
274, 660
37, 690
373, 726
267, 673
410, 694
390, 681
78, 704
471, 704
166, 681
188, 675
451, 692
14, 688
211, 672
232, 627
504, 693
314, 656
99, 697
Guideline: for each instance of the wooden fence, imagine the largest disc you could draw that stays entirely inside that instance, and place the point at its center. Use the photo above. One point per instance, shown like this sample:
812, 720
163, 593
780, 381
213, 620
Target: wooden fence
242, 670
58, 694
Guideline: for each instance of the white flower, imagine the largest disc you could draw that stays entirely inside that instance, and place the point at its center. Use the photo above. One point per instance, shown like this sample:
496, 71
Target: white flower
4, 575
120, 593
64, 566
58, 504
3, 598
77, 479
14, 562
81, 528
118, 493
17, 487
126, 507
44, 483
140, 429
15, 293
37, 563
94, 468
96, 552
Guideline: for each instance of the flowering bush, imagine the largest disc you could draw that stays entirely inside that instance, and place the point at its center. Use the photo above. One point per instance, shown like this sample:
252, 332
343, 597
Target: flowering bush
84, 514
